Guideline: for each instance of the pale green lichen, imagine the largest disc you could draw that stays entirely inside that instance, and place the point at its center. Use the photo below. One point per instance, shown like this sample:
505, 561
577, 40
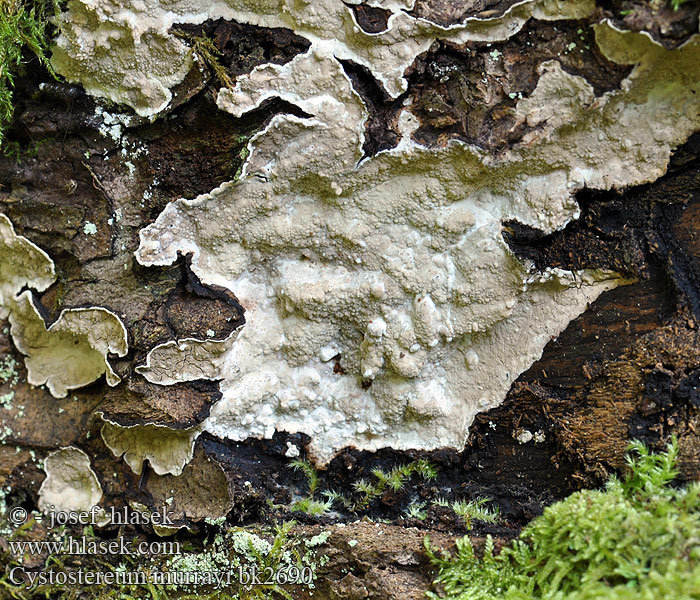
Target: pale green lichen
215, 557
8, 371
5, 433
238, 548
89, 228
318, 540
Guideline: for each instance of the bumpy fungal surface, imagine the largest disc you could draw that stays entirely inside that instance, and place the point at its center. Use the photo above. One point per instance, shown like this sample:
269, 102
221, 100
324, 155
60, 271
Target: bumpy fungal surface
72, 351
383, 307
70, 484
201, 491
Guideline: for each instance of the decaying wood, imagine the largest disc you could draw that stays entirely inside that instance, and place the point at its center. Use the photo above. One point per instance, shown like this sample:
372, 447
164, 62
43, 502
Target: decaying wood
628, 368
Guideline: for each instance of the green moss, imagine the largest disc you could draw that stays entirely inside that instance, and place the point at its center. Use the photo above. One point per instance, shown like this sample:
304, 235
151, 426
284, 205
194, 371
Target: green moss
205, 49
14, 150
309, 504
23, 29
416, 510
290, 560
639, 538
677, 3
471, 510
394, 480
365, 492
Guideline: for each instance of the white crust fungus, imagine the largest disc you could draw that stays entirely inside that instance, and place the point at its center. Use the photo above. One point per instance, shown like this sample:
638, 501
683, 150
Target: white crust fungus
383, 307
72, 351
126, 53
70, 484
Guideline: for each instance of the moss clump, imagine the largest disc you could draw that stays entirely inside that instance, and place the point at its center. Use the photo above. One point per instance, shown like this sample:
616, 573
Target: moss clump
472, 510
394, 480
205, 49
23, 27
366, 492
309, 504
637, 539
